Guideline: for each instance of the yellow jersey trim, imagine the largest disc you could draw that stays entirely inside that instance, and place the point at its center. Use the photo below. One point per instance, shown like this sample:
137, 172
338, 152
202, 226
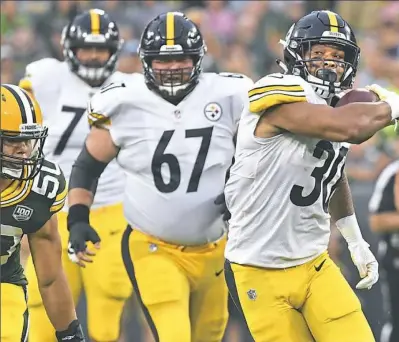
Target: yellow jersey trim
266, 89
270, 100
16, 194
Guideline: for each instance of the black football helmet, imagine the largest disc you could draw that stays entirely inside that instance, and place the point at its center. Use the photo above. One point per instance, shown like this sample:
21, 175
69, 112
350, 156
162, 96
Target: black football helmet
91, 29
172, 36
321, 27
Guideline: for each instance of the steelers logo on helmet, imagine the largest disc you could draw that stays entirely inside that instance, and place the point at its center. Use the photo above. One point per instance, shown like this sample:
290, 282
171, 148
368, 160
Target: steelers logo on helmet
213, 111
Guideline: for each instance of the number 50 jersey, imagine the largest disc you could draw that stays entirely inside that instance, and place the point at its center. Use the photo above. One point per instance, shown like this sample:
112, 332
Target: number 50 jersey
63, 97
25, 207
280, 187
175, 157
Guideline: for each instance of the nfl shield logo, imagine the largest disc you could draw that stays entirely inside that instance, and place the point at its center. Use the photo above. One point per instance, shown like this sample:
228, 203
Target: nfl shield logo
252, 294
22, 213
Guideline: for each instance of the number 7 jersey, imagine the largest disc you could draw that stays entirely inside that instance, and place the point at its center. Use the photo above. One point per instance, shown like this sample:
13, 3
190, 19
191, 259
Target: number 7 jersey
175, 157
63, 97
280, 187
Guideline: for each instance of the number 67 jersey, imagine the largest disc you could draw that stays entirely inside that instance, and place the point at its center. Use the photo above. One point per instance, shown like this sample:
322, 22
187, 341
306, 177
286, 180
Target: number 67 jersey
175, 157
280, 187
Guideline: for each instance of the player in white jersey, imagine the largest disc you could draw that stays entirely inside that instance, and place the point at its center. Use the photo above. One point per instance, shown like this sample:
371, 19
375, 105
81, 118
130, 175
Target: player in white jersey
289, 162
91, 46
172, 131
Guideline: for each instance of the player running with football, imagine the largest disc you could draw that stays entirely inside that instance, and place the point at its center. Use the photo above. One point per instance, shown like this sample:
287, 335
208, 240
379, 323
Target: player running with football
288, 180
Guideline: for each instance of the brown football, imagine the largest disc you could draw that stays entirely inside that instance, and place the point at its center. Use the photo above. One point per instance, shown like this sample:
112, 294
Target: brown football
357, 95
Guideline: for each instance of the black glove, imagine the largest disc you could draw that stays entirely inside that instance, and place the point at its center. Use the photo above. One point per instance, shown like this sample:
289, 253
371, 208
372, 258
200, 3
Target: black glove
221, 202
74, 333
80, 231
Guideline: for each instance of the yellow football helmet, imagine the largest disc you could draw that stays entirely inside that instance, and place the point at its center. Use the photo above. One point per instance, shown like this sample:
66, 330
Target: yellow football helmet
22, 134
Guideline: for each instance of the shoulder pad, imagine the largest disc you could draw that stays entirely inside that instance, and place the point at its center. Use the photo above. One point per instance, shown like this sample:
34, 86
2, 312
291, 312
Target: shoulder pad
104, 104
39, 72
50, 182
235, 83
276, 89
231, 75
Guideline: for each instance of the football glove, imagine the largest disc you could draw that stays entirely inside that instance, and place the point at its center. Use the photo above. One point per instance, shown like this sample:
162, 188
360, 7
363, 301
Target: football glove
387, 96
80, 231
79, 234
74, 333
361, 255
221, 202
366, 264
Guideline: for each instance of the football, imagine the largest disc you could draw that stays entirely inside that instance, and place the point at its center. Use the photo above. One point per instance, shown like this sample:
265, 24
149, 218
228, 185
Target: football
357, 95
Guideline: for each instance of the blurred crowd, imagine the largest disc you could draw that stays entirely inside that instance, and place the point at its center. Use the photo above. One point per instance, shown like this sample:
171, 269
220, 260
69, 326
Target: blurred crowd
242, 37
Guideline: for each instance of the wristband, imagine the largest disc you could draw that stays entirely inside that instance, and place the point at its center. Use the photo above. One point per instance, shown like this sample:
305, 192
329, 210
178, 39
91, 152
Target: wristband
350, 230
78, 213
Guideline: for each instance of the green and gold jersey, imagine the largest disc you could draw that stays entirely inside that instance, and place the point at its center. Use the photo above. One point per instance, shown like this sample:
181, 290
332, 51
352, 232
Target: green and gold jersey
25, 207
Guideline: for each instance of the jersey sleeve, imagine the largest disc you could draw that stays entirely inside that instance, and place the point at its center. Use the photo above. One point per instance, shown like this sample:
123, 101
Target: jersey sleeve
239, 85
60, 198
105, 108
276, 89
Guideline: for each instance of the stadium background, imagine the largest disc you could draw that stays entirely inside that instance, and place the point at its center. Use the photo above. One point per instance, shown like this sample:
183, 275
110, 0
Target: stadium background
242, 36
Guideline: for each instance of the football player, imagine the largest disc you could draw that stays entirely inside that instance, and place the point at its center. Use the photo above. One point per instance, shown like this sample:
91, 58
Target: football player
289, 163
91, 45
171, 130
384, 219
32, 191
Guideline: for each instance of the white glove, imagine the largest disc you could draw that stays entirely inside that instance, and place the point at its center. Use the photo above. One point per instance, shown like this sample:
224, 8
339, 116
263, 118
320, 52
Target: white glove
361, 255
387, 96
366, 263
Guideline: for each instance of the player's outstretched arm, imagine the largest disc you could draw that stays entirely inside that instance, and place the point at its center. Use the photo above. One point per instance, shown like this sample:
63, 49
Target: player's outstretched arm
353, 123
45, 246
342, 212
98, 151
387, 221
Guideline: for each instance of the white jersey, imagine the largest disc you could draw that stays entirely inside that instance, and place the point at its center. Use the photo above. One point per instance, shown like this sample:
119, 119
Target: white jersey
63, 98
279, 187
175, 158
